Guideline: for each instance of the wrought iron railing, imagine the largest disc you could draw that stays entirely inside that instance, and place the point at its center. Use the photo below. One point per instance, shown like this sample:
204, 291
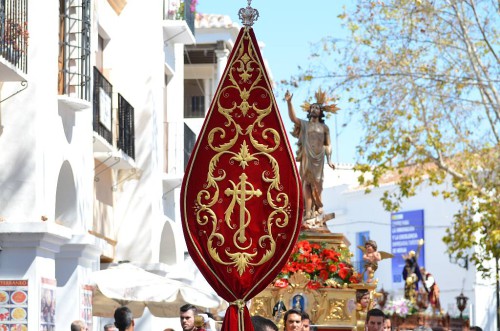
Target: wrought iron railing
126, 123
14, 32
103, 107
180, 10
75, 28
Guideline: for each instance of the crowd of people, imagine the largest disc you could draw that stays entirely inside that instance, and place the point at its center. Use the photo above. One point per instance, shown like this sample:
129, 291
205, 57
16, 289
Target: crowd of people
293, 320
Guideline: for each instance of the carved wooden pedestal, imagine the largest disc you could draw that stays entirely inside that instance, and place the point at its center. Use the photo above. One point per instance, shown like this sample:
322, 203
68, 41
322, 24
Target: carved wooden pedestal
329, 308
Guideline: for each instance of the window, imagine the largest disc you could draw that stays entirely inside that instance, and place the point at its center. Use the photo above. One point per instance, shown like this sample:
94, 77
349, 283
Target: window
197, 106
74, 49
194, 98
189, 141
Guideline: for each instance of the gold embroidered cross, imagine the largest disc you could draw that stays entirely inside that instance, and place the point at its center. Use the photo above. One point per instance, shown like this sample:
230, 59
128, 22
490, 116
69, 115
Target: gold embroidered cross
242, 192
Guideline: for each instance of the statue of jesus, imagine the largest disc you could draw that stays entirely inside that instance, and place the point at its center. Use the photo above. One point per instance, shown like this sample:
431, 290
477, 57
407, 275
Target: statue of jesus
313, 146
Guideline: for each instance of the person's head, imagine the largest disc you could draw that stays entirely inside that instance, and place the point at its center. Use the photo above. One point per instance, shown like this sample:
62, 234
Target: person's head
78, 326
372, 244
374, 320
124, 320
363, 298
168, 329
387, 323
263, 324
199, 322
205, 321
316, 111
187, 314
293, 320
109, 327
475, 328
306, 322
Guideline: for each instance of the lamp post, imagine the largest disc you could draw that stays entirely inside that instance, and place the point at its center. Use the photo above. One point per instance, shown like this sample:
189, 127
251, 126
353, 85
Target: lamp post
461, 303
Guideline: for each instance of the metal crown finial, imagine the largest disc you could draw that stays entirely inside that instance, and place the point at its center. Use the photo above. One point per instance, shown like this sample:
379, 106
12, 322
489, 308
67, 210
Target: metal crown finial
248, 15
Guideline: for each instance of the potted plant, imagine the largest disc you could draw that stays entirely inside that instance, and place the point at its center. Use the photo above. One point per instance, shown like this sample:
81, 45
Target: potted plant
14, 40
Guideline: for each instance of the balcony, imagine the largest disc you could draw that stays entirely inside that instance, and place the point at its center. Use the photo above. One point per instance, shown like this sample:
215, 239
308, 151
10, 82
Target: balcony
102, 121
13, 40
126, 137
74, 77
178, 25
114, 141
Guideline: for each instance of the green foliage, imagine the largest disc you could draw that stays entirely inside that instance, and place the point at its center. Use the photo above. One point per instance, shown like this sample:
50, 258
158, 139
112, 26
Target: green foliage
424, 77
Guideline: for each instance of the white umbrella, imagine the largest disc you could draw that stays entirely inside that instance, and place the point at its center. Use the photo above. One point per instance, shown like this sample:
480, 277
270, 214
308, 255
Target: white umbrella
189, 273
136, 288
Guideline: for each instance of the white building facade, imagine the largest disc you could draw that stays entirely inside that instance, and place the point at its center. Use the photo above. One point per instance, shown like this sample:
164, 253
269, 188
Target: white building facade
91, 123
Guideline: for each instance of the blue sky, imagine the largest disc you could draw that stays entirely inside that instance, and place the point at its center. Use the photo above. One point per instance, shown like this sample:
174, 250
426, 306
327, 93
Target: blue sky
287, 28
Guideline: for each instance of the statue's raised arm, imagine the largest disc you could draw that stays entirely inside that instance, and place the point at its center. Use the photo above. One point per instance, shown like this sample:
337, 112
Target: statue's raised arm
291, 110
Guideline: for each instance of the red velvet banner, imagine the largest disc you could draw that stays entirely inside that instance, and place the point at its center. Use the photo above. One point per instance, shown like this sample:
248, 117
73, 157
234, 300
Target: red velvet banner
241, 198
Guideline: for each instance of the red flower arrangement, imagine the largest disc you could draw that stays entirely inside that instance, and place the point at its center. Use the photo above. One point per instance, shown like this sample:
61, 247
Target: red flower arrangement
324, 267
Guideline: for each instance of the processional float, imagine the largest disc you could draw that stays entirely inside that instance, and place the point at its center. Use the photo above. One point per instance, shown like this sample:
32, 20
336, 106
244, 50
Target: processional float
242, 204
